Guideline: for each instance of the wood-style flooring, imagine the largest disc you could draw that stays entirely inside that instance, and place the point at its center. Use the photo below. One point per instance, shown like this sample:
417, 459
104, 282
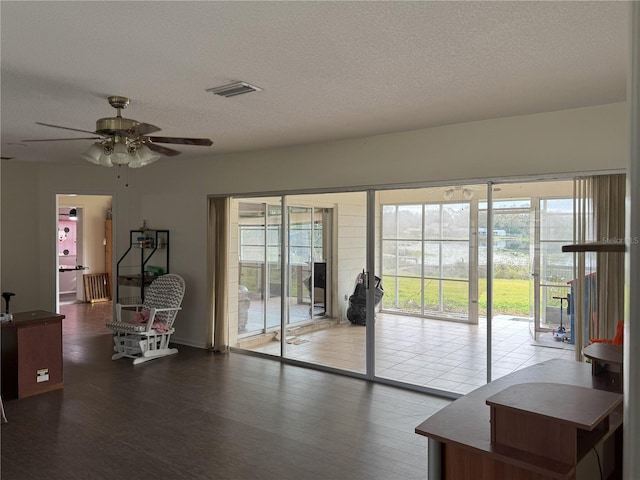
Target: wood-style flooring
198, 415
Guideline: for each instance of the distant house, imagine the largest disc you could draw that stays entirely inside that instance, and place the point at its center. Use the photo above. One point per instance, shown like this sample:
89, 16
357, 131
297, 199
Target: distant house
497, 232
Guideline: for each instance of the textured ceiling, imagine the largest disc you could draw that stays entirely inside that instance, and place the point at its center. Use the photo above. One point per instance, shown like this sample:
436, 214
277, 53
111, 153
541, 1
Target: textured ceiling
329, 70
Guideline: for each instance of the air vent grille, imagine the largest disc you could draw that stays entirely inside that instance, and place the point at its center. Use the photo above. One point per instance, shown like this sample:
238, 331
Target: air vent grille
233, 89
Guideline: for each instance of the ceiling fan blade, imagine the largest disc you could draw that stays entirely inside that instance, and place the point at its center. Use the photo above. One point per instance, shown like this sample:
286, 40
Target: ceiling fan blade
145, 128
59, 139
65, 128
204, 142
169, 152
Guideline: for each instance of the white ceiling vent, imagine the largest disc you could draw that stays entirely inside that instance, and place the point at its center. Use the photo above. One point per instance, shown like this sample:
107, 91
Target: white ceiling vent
233, 89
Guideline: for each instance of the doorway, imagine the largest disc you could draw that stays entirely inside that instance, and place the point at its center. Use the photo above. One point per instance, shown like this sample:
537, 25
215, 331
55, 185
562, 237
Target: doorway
70, 253
84, 242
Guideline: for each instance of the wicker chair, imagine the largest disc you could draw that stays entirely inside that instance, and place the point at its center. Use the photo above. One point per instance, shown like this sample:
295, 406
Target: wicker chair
147, 335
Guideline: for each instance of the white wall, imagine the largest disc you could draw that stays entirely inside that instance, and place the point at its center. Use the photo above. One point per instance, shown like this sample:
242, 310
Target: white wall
351, 240
20, 236
172, 193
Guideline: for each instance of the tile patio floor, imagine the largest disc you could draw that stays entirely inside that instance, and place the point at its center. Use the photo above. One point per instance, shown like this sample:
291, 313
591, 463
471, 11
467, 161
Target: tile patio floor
435, 354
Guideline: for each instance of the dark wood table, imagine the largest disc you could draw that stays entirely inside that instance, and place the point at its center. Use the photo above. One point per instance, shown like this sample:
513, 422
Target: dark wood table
603, 356
31, 354
460, 435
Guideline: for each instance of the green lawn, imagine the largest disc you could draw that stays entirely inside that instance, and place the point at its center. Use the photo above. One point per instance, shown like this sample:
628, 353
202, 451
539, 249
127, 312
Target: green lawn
510, 296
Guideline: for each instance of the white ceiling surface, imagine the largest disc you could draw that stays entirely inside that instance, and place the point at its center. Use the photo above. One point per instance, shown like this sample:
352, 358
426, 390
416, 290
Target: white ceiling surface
329, 70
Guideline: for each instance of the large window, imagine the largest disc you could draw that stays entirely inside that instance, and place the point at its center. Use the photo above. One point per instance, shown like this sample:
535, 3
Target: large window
426, 258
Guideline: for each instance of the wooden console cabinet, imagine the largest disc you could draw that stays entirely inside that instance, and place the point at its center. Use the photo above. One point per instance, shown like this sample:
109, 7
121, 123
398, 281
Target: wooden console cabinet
556, 422
31, 354
543, 422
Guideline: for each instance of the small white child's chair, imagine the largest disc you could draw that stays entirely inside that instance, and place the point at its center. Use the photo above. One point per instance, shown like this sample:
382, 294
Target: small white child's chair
146, 341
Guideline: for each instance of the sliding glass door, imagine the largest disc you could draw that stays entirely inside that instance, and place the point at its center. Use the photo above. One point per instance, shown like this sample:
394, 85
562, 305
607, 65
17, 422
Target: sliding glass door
303, 260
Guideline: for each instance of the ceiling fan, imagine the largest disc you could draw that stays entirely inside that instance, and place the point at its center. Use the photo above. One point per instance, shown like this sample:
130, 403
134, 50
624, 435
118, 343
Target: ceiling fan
123, 141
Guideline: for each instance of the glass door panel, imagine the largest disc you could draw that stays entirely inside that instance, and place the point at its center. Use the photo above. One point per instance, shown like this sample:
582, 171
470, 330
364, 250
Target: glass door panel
258, 226
556, 267
531, 223
427, 333
251, 267
512, 249
327, 247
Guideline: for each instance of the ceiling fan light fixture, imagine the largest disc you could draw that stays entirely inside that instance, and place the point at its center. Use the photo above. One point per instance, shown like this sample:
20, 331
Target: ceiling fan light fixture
121, 154
99, 153
143, 156
105, 160
93, 154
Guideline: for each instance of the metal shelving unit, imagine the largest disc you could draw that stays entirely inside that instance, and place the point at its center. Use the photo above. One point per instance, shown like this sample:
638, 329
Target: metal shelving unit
146, 258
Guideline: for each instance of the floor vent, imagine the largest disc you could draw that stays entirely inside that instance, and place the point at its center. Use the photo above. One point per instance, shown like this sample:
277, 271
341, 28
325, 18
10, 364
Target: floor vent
97, 287
233, 89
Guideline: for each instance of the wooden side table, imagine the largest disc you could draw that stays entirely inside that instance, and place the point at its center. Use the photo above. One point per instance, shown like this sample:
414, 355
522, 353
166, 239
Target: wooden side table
31, 354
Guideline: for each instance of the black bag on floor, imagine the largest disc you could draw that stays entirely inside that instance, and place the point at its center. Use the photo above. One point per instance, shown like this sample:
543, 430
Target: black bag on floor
357, 311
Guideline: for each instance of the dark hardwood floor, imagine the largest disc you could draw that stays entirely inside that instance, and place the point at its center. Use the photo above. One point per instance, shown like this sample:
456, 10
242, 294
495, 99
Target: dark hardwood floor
198, 415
